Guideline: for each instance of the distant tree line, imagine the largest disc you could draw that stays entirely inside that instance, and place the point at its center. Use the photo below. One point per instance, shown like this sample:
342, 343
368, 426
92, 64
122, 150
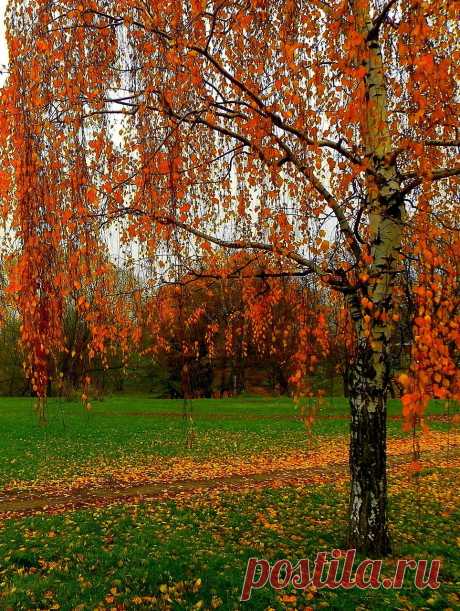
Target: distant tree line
246, 340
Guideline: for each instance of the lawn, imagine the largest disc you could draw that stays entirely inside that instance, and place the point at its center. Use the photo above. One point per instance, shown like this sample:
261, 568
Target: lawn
129, 427
174, 548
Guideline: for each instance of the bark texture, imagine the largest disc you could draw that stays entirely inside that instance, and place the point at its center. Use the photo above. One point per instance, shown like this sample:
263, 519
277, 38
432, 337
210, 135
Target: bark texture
372, 306
368, 530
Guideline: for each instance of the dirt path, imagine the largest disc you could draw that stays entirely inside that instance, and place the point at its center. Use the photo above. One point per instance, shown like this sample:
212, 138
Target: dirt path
106, 495
27, 502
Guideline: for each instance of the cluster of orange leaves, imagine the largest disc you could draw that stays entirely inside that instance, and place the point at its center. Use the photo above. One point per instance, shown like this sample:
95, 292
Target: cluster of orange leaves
433, 370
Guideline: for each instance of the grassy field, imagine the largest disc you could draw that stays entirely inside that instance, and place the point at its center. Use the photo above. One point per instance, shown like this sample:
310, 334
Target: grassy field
190, 550
127, 427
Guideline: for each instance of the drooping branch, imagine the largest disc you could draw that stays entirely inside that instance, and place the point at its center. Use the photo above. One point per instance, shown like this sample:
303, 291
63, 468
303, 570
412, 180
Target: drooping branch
337, 281
276, 118
231, 244
445, 173
329, 198
260, 275
438, 174
447, 143
289, 156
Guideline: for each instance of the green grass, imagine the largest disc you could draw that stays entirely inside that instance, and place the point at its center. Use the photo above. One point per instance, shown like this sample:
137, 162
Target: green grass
75, 440
153, 555
177, 555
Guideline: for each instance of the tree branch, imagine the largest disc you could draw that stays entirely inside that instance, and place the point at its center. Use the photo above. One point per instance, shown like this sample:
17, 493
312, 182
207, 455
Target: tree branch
379, 20
277, 119
445, 173
332, 203
231, 244
262, 275
306, 171
442, 142
438, 174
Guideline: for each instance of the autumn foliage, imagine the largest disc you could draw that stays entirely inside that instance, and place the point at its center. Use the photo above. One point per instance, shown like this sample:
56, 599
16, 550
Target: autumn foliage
234, 315
433, 370
321, 137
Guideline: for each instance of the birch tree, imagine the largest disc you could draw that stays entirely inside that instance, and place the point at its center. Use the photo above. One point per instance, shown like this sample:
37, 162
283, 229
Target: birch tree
315, 133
